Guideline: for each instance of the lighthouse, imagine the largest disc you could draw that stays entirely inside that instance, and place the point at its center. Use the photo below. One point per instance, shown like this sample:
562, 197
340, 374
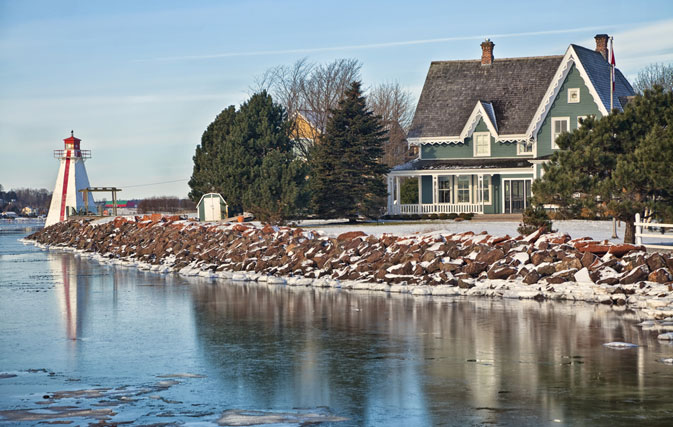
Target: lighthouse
67, 199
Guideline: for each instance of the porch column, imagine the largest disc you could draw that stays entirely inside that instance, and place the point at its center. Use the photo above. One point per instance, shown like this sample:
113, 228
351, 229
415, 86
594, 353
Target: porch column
481, 191
435, 192
397, 191
390, 194
420, 194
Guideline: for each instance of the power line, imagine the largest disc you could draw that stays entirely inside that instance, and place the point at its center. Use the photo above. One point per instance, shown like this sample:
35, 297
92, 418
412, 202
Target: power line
154, 183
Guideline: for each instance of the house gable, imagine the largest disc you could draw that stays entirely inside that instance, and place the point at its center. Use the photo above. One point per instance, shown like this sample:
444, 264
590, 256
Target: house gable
560, 107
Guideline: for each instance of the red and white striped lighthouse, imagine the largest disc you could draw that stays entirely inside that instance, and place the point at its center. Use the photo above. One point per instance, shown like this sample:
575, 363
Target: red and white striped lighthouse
67, 199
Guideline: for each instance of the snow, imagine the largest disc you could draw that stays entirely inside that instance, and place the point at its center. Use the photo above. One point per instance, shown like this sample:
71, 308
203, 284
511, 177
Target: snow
598, 230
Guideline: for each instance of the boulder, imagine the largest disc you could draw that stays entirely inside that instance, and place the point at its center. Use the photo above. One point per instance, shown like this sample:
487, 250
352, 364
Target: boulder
660, 275
343, 237
539, 257
500, 272
655, 262
546, 269
474, 268
568, 263
588, 259
531, 277
490, 256
635, 275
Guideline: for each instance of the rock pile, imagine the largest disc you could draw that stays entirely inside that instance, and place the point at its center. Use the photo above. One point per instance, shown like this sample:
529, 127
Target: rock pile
464, 260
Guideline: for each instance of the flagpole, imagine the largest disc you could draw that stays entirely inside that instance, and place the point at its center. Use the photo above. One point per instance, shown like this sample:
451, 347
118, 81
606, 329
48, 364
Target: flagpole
612, 75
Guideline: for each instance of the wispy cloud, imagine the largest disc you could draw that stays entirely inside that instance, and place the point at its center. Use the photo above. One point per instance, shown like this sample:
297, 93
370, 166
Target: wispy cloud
373, 45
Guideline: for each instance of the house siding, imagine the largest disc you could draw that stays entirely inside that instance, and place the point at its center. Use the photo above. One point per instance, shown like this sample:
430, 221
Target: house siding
561, 108
426, 189
466, 149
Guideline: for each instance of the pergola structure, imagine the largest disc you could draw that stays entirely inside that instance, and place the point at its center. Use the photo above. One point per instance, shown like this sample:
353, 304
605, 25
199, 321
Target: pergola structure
113, 190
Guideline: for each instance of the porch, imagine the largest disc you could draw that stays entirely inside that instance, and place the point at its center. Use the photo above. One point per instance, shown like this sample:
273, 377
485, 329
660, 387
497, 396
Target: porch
439, 187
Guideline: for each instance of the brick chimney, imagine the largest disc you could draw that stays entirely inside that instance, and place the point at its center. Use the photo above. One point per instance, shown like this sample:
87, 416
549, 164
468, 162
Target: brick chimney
487, 52
602, 45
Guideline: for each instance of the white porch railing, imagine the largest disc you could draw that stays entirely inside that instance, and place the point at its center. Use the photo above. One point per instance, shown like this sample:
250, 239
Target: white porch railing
639, 233
436, 208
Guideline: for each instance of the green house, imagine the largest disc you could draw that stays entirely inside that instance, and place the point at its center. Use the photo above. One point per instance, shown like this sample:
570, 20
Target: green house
485, 127
212, 207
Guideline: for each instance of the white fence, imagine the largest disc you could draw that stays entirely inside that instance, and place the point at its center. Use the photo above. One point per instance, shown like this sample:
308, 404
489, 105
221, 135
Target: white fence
639, 233
437, 208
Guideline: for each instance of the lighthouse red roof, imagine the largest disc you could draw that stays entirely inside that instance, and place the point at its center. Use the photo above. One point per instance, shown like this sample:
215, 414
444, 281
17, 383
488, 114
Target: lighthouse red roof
72, 138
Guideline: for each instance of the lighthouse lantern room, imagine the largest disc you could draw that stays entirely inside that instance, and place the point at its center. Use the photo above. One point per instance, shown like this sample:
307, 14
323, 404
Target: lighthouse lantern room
67, 198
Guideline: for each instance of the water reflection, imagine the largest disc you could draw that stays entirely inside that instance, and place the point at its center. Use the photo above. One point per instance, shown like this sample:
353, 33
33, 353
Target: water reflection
71, 292
429, 361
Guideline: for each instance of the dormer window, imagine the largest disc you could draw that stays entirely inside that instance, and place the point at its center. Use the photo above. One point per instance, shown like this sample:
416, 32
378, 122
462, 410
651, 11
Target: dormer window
482, 144
574, 95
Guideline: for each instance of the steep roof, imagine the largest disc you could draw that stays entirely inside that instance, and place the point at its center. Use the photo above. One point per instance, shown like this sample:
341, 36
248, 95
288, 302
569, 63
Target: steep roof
513, 86
598, 70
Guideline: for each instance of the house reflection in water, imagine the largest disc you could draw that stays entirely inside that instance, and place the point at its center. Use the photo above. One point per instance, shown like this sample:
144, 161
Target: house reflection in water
476, 360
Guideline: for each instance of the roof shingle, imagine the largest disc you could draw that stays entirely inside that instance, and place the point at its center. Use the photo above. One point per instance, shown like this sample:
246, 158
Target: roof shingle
514, 87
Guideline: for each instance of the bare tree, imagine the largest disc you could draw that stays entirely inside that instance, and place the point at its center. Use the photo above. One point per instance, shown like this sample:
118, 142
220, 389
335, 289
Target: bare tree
654, 74
396, 108
311, 90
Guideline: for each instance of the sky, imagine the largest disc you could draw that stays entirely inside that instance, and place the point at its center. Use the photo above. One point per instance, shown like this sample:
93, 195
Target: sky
139, 81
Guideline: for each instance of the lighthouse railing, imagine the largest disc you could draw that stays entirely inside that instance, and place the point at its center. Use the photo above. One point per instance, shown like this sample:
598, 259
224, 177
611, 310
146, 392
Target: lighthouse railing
79, 154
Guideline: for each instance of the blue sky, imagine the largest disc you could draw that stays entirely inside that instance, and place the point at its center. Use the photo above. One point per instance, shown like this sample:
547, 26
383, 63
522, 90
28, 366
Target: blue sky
139, 81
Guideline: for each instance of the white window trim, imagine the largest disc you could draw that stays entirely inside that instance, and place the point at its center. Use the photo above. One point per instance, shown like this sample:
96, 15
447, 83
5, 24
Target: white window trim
469, 190
578, 120
474, 143
487, 201
571, 90
520, 152
553, 126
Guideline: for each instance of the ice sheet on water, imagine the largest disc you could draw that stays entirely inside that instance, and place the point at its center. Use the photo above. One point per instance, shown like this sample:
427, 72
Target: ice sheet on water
618, 345
242, 417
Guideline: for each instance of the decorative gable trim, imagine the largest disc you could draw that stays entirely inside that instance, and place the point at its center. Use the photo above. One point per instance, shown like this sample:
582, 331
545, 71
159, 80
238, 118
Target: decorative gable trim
569, 59
480, 111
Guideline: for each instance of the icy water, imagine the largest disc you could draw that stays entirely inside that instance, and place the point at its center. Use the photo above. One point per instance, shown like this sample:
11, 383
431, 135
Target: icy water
86, 343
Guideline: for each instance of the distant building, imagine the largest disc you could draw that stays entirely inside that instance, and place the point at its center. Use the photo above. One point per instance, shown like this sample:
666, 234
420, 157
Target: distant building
485, 127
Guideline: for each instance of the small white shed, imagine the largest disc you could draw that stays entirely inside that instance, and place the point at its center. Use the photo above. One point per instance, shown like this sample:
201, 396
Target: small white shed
212, 207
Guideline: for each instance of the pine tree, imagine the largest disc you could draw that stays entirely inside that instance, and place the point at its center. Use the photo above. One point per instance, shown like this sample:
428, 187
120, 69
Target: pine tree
616, 166
347, 178
232, 160
209, 156
278, 190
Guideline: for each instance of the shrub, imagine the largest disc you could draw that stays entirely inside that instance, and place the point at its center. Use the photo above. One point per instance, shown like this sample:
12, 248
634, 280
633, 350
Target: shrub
534, 218
466, 216
453, 216
443, 216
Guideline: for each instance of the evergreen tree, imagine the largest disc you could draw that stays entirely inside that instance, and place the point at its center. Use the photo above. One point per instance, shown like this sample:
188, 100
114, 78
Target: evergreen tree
210, 156
616, 166
347, 177
278, 188
232, 160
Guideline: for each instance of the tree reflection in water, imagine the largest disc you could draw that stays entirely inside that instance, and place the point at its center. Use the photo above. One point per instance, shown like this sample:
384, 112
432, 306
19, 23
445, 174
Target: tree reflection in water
430, 360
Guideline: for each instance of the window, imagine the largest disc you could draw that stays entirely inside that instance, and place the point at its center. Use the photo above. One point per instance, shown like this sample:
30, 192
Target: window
482, 144
444, 189
486, 192
579, 125
463, 190
573, 95
524, 147
558, 126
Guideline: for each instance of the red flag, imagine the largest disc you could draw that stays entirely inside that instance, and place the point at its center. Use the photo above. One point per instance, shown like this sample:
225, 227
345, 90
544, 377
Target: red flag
612, 62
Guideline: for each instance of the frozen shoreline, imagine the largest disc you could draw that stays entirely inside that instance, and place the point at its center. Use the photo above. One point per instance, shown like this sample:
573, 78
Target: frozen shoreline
653, 300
